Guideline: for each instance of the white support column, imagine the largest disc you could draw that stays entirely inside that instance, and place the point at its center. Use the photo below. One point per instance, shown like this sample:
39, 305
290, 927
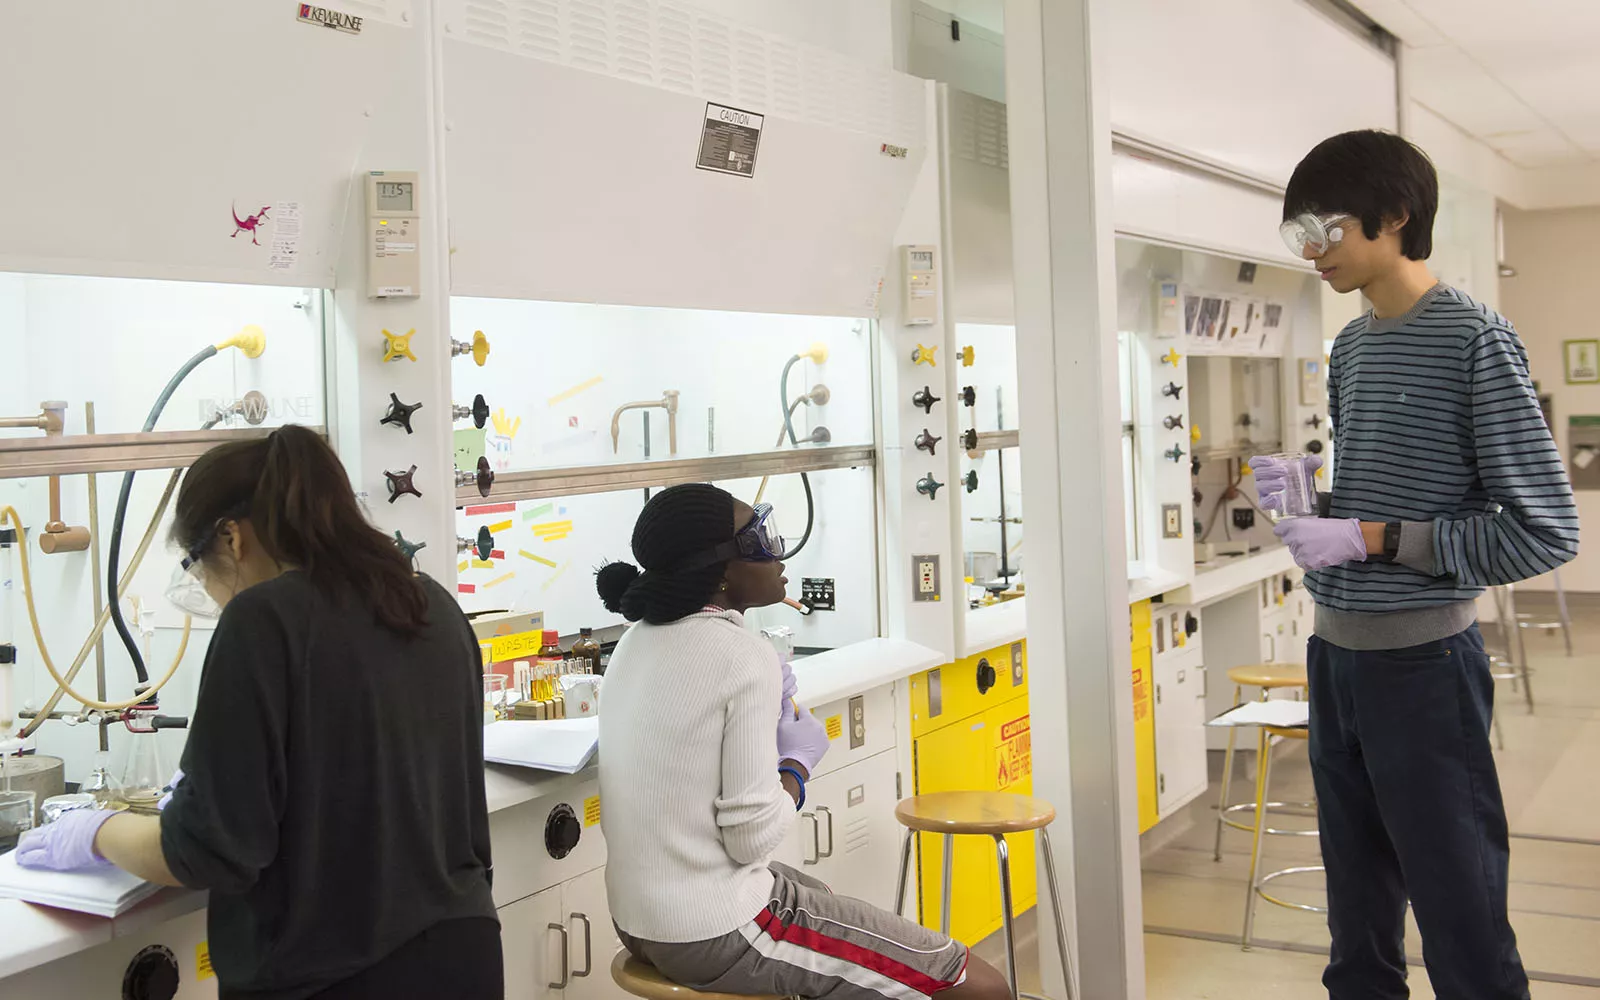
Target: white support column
1063, 248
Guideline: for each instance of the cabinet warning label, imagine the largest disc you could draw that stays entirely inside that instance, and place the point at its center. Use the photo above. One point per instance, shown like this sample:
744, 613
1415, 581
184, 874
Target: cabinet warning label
729, 139
1013, 754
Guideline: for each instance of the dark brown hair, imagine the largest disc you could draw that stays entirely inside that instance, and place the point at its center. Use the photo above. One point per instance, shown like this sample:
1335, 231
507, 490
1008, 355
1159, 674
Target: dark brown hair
294, 491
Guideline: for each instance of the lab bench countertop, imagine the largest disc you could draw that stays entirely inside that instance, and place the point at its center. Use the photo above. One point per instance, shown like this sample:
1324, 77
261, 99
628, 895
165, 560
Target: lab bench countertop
36, 935
1226, 577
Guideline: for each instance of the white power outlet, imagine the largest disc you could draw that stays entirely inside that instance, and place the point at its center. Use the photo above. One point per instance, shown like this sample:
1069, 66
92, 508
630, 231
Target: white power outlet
1171, 520
926, 571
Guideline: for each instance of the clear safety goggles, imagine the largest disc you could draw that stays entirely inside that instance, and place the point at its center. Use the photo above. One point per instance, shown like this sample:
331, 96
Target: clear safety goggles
187, 590
758, 541
1313, 232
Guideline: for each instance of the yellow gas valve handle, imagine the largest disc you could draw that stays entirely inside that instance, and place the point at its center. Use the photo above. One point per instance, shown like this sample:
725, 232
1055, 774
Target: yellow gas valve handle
925, 356
398, 345
967, 356
1194, 435
1172, 357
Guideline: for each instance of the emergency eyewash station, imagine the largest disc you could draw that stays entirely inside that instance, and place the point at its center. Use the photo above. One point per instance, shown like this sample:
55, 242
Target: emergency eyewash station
513, 335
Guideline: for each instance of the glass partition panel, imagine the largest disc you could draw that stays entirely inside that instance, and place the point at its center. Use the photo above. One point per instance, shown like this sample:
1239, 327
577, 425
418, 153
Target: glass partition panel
575, 384
546, 552
992, 491
110, 346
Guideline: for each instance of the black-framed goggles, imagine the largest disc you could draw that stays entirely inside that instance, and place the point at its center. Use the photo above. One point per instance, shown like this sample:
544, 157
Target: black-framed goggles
757, 541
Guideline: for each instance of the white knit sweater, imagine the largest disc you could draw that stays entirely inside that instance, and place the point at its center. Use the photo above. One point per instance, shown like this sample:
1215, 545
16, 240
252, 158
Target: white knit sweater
692, 804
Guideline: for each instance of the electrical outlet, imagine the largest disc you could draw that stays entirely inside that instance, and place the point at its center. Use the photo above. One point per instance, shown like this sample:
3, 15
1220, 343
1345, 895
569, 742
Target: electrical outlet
1172, 520
817, 593
858, 722
925, 573
1244, 518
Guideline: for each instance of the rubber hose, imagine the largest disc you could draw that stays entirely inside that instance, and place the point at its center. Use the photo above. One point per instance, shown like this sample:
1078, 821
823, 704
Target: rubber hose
123, 495
805, 480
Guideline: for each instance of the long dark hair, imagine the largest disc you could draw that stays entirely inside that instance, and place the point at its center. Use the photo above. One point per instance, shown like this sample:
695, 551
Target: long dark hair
293, 489
678, 524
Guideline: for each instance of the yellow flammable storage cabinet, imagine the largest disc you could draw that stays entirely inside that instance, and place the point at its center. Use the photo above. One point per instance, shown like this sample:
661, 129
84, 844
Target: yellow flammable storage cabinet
1144, 720
970, 732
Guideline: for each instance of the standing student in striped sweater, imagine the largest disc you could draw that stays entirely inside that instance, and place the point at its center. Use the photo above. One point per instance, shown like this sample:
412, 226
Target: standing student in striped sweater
1447, 482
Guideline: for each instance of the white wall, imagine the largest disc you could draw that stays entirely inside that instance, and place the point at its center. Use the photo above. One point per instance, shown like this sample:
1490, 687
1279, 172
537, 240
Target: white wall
1550, 300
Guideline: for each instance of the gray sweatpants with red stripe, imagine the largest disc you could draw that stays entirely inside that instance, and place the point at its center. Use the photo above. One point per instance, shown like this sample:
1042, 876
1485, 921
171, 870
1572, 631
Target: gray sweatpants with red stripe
809, 942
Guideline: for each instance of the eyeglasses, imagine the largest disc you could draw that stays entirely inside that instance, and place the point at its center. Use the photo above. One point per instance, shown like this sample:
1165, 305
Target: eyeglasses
758, 541
1314, 232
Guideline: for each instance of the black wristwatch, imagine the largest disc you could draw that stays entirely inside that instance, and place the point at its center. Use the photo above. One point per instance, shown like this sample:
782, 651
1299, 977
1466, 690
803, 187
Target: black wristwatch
1391, 543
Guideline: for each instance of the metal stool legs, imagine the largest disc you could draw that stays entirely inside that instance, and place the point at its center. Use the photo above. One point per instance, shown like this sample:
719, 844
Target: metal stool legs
1227, 779
1258, 881
1007, 923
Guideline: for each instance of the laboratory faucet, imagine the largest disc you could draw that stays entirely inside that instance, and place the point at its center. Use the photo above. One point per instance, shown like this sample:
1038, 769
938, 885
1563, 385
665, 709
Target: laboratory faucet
668, 402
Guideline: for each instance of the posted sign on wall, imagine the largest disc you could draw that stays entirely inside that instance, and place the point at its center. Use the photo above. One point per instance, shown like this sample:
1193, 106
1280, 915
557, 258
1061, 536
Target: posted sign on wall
729, 140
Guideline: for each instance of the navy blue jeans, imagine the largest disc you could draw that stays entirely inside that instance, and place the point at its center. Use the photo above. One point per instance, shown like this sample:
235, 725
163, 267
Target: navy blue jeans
1409, 807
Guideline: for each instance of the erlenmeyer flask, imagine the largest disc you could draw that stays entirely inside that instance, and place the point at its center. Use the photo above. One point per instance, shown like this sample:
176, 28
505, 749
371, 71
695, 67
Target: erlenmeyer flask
100, 783
143, 776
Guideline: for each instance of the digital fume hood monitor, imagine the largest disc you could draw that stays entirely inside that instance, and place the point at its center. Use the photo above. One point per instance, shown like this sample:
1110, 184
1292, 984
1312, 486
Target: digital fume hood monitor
394, 267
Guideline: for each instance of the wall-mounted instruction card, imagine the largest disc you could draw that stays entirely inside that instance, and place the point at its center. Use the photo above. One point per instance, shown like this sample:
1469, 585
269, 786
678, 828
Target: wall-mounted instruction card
729, 140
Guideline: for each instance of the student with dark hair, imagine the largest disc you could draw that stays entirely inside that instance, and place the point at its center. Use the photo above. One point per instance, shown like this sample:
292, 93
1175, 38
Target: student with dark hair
332, 797
1446, 482
706, 761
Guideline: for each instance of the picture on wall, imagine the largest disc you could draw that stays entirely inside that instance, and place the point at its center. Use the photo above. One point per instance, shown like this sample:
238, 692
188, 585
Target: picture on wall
1582, 360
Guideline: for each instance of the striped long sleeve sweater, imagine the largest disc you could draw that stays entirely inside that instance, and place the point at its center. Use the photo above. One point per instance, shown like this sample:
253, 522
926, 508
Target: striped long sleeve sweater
1436, 425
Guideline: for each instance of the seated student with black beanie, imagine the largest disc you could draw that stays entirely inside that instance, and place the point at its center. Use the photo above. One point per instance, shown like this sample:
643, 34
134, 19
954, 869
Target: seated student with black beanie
705, 762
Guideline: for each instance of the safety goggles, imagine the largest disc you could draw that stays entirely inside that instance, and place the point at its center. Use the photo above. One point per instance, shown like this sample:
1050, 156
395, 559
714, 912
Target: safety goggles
1313, 232
757, 541
187, 590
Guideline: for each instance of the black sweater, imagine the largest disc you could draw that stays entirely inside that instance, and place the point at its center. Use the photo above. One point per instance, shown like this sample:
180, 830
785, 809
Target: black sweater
333, 797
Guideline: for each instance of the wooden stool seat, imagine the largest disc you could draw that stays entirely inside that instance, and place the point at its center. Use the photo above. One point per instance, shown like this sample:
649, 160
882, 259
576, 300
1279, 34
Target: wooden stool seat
1269, 676
643, 980
980, 813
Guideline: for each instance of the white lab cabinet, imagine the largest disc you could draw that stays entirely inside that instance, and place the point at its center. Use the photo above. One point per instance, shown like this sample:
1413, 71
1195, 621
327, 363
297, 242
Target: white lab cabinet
558, 943
1269, 622
848, 835
1178, 675
532, 947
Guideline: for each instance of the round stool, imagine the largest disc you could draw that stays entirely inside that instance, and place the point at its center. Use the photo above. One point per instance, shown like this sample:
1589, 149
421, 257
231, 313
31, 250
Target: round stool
1268, 677
1263, 792
642, 980
983, 814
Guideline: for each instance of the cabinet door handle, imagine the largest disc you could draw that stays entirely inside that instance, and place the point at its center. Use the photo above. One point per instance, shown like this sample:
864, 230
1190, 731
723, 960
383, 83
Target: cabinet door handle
1205, 682
566, 967
588, 946
824, 810
816, 839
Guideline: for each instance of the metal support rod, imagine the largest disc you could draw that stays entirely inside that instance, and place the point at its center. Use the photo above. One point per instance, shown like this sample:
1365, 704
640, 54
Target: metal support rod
1263, 779
1227, 779
98, 594
905, 874
949, 878
38, 423
1059, 915
1010, 932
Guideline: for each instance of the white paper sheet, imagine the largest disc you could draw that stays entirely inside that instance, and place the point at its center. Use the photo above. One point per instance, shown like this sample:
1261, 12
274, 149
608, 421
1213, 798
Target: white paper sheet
1284, 714
561, 745
105, 892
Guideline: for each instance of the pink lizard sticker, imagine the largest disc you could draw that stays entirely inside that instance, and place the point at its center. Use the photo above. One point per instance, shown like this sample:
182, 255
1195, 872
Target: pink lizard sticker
249, 224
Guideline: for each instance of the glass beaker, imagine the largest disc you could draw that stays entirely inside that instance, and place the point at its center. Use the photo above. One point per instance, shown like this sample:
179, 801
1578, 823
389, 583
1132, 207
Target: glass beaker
16, 816
1298, 496
495, 702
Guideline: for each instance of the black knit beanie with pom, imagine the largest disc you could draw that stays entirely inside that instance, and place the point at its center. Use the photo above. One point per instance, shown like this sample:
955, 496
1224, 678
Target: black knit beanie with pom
678, 524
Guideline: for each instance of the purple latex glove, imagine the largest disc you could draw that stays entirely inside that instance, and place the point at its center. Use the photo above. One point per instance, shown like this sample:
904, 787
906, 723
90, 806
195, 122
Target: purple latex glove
790, 688
803, 740
1319, 542
67, 844
172, 786
1272, 477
